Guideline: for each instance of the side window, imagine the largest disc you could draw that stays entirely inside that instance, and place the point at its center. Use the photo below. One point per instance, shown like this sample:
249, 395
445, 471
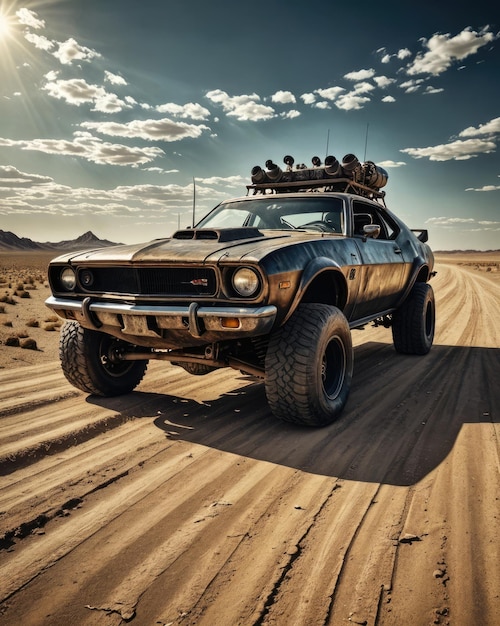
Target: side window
369, 214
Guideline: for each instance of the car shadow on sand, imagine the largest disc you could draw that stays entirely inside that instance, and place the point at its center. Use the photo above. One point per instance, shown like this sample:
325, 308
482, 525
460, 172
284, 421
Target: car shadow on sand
402, 419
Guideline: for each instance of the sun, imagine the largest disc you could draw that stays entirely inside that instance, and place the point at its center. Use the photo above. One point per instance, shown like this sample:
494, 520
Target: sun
5, 25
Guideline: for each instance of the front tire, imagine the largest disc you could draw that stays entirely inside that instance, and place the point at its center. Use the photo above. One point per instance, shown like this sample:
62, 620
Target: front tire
413, 324
87, 360
309, 366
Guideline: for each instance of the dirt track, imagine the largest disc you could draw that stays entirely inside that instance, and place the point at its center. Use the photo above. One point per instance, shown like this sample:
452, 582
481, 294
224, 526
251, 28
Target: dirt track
185, 502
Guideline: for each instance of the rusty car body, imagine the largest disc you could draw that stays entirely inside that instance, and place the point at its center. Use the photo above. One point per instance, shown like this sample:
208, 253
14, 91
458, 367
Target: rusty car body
271, 284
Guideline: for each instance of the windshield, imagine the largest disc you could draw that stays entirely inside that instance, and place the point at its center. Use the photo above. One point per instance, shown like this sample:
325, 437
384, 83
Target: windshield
321, 214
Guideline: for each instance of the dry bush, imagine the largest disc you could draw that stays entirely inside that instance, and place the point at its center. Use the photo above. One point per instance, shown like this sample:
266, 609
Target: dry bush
8, 299
51, 326
33, 323
28, 344
7, 323
12, 341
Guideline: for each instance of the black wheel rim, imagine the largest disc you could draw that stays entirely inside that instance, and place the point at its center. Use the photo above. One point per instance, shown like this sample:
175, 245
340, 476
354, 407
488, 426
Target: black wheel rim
109, 350
333, 368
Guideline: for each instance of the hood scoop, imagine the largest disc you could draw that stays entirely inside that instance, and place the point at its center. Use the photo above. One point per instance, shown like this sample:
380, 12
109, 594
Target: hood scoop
219, 234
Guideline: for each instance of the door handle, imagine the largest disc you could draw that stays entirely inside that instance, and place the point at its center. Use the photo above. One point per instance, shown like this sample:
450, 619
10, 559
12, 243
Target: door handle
397, 250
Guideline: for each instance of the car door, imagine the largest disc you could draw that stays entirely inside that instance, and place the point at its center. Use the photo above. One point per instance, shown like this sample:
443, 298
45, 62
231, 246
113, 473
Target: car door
382, 268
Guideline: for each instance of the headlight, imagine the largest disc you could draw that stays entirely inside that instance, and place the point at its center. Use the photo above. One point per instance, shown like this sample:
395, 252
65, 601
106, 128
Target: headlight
245, 282
68, 279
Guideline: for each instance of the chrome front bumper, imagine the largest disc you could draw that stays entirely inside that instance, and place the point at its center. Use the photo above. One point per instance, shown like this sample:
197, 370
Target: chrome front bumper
141, 320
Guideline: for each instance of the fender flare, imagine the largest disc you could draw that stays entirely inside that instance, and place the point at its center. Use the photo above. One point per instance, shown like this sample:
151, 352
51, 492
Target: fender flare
312, 270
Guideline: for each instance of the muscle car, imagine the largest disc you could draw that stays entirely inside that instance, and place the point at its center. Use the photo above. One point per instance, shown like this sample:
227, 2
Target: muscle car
271, 284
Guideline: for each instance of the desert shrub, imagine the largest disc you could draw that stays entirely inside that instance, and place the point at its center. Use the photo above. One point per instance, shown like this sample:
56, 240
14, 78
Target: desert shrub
12, 341
7, 323
28, 344
22, 334
53, 318
33, 323
20, 287
23, 294
7, 299
51, 326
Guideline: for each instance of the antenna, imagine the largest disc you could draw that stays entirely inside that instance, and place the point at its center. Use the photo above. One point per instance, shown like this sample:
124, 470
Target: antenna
194, 199
366, 140
327, 142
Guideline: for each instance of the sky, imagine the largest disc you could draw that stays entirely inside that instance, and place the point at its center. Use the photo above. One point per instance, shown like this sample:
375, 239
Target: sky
113, 111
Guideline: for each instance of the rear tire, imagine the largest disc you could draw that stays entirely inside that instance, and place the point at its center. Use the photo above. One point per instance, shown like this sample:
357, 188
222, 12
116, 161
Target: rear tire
309, 366
413, 324
88, 364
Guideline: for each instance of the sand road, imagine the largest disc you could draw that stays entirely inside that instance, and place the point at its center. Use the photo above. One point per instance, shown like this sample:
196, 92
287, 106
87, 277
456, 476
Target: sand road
186, 502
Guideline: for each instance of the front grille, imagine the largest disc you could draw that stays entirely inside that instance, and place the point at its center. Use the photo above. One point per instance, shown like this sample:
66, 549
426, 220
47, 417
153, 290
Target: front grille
149, 281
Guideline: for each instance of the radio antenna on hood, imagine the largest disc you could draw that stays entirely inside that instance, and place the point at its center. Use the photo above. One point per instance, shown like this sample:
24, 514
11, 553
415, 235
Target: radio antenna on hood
194, 200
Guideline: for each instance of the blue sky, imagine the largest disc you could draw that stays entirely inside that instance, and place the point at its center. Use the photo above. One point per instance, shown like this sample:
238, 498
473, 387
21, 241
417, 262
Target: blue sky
109, 109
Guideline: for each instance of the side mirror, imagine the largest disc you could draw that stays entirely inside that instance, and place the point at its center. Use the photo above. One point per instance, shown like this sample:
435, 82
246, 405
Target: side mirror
371, 230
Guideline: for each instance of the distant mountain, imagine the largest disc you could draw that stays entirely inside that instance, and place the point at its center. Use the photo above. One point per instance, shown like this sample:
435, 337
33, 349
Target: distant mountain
10, 241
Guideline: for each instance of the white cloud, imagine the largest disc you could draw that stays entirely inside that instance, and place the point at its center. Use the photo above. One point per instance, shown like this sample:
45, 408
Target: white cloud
150, 130
383, 81
11, 177
190, 110
410, 86
90, 148
443, 50
454, 151
449, 221
485, 188
331, 93
29, 18
39, 41
69, 51
490, 128
390, 163
243, 107
290, 115
283, 97
431, 90
388, 99
401, 54
360, 75
114, 79
308, 98
74, 91
351, 101
226, 181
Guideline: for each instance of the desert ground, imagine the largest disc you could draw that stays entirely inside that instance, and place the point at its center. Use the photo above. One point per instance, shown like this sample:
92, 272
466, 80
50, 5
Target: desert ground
187, 503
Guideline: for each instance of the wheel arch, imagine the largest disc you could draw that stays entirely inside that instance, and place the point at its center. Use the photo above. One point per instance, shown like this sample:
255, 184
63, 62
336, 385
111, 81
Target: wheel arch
321, 283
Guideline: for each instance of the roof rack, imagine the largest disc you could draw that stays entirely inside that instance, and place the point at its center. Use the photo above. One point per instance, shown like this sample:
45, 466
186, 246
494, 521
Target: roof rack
350, 176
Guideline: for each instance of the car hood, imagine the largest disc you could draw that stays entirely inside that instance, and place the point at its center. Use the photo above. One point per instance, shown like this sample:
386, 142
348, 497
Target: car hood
196, 246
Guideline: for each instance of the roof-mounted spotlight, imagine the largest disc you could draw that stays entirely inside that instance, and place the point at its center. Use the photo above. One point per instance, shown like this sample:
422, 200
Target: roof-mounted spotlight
332, 166
274, 172
350, 163
316, 161
289, 161
258, 174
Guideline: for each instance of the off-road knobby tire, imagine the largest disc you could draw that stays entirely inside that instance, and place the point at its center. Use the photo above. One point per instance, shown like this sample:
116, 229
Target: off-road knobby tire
413, 323
308, 367
83, 354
